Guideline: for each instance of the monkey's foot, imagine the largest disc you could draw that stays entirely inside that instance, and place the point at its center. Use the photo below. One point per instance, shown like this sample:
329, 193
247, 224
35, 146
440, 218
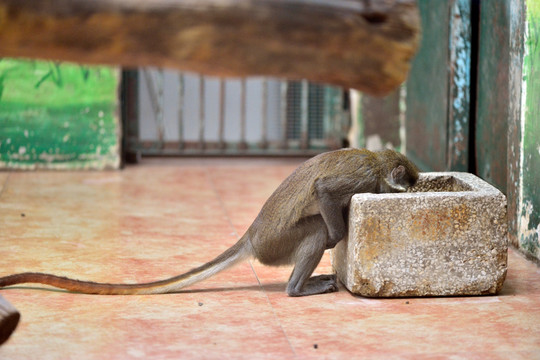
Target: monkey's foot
323, 278
326, 282
321, 284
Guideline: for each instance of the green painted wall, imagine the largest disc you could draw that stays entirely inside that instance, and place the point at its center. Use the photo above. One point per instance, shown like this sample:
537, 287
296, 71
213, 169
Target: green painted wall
58, 115
529, 229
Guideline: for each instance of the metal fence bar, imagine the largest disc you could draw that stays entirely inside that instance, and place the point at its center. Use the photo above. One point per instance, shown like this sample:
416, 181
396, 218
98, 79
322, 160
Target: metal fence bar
283, 113
264, 117
160, 116
221, 141
243, 142
402, 118
304, 115
201, 112
338, 118
181, 140
155, 92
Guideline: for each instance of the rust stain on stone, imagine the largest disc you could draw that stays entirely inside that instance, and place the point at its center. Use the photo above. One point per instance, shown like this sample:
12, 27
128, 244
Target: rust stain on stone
376, 234
431, 223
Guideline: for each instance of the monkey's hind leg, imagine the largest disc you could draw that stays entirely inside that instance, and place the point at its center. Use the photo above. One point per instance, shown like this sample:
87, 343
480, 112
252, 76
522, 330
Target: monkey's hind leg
308, 257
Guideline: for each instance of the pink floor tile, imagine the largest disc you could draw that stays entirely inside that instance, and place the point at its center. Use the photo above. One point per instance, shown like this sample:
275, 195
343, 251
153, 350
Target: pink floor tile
161, 218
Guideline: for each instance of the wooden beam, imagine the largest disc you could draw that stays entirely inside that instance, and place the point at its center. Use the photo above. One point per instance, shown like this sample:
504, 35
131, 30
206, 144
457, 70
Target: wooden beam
361, 44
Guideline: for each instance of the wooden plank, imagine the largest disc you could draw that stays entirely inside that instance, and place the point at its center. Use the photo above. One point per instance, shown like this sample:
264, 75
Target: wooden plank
355, 44
493, 93
427, 90
437, 115
509, 65
514, 151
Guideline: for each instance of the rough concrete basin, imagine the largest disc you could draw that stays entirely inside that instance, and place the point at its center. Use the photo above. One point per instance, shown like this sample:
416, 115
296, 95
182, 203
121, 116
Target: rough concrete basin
447, 236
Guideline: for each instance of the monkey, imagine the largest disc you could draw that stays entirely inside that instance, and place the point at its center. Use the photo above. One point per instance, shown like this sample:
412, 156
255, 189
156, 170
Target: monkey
305, 216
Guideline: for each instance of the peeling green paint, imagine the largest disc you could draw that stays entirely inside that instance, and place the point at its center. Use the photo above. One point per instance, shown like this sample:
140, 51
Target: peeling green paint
529, 233
58, 115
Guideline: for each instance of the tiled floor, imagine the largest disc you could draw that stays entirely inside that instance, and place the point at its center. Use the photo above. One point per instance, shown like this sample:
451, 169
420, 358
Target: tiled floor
165, 216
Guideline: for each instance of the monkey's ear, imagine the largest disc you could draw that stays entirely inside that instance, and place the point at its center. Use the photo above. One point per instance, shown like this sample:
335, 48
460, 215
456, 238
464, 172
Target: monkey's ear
398, 173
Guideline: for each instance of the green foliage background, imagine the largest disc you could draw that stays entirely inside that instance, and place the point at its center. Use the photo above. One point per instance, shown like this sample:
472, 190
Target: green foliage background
58, 115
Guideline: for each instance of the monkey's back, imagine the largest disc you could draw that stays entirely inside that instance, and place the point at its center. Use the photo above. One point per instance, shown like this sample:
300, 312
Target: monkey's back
292, 210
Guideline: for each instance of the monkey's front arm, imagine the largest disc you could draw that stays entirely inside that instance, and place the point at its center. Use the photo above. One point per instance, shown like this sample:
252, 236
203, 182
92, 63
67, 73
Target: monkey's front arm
331, 208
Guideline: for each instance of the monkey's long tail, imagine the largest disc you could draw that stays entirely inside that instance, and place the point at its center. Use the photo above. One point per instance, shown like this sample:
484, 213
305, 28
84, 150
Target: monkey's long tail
232, 256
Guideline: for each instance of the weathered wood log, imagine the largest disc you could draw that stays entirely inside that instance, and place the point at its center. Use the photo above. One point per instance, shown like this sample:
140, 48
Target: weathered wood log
361, 44
9, 318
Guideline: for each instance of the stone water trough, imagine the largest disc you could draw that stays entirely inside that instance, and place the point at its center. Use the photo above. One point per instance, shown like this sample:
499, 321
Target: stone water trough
447, 236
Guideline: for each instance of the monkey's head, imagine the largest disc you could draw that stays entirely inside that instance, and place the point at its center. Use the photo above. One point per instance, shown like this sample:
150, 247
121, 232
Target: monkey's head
400, 172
